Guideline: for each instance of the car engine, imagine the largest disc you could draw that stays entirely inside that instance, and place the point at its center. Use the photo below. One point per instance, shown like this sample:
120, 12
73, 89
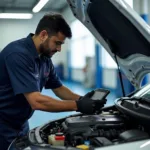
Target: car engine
107, 128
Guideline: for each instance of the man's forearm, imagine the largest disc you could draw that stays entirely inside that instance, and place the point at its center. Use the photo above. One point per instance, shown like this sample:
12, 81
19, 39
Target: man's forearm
49, 104
65, 93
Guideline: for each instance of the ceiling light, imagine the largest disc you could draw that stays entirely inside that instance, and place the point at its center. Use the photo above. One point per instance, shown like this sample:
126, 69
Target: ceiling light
39, 5
16, 15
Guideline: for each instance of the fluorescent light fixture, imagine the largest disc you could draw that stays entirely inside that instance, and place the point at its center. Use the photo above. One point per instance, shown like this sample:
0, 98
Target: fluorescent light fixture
39, 5
15, 15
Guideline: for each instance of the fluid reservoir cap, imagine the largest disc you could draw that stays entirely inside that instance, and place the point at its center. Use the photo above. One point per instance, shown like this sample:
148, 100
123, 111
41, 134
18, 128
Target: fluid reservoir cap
83, 147
59, 136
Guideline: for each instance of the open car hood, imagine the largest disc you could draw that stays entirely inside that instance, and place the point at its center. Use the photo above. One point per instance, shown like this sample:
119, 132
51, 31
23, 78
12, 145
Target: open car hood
121, 31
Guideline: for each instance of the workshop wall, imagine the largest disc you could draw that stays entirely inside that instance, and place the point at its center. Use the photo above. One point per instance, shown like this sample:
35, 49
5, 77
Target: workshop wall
12, 29
15, 29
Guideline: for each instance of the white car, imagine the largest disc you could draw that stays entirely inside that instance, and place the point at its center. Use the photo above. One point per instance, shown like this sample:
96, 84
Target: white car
126, 124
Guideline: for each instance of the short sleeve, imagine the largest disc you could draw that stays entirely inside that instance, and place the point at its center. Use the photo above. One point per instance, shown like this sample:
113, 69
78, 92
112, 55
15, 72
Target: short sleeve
53, 81
21, 72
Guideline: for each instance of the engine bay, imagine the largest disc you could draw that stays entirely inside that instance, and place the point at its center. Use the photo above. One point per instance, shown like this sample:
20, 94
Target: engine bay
110, 127
126, 121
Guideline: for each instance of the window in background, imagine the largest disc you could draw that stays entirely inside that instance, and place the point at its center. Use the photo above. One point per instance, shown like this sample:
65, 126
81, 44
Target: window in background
107, 61
82, 45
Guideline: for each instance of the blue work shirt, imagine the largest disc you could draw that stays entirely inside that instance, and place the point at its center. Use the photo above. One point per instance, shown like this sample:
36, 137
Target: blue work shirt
22, 71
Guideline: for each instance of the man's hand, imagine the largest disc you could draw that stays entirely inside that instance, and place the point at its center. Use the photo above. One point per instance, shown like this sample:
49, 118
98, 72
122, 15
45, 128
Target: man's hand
85, 105
88, 106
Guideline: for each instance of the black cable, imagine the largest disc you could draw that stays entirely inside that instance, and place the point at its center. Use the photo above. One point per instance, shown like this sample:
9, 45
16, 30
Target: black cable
120, 77
113, 47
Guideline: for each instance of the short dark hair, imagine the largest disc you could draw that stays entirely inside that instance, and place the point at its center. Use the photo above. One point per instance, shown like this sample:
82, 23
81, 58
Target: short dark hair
53, 23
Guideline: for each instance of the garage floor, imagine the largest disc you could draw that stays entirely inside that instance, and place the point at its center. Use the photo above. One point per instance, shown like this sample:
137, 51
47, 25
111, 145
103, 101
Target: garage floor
40, 117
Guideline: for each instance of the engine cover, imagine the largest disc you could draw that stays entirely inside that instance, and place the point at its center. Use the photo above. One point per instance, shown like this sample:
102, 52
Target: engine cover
104, 121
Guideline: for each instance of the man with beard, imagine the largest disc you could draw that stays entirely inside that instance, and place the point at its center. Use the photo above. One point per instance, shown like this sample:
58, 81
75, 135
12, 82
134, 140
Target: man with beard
26, 68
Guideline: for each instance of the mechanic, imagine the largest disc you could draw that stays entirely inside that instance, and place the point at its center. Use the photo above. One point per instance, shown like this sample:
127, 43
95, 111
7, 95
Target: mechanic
26, 67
